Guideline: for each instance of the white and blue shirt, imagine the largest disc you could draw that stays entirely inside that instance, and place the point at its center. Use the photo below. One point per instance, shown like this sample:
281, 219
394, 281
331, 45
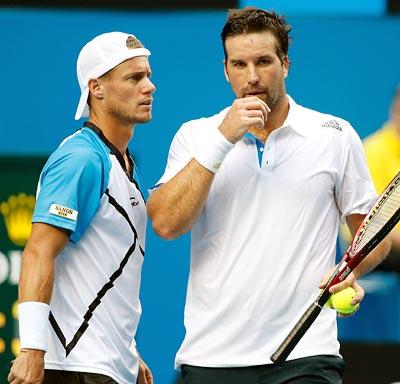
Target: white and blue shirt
95, 307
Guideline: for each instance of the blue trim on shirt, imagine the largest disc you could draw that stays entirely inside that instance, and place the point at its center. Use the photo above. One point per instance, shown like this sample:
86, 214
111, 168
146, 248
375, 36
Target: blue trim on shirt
75, 176
259, 145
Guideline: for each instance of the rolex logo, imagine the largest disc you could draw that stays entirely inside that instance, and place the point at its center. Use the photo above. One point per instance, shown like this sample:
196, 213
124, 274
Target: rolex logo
17, 212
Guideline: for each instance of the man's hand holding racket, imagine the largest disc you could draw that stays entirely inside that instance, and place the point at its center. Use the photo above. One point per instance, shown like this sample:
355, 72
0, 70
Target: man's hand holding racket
349, 281
379, 221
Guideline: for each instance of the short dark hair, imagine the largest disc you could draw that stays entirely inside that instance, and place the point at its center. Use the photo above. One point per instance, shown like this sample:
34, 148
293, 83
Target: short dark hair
250, 19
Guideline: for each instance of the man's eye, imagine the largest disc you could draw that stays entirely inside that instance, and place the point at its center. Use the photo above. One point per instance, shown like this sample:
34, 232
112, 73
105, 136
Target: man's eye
264, 61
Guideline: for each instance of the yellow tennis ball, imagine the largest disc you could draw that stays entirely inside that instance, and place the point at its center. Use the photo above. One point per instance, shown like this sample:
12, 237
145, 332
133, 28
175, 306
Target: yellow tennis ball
341, 301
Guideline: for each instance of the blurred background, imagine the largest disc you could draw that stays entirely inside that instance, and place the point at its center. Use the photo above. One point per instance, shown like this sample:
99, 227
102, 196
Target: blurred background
345, 60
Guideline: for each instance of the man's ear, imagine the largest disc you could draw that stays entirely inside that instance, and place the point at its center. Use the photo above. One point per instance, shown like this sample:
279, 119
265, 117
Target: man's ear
226, 72
96, 88
285, 64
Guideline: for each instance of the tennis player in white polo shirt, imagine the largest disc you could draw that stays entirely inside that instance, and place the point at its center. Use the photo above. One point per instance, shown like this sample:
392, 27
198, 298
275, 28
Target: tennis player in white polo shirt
262, 185
79, 287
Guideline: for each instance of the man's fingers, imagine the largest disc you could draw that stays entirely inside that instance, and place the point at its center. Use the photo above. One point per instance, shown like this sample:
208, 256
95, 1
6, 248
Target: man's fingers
347, 282
149, 377
338, 287
15, 380
262, 106
360, 293
257, 104
323, 282
251, 99
266, 108
256, 117
256, 113
10, 377
256, 122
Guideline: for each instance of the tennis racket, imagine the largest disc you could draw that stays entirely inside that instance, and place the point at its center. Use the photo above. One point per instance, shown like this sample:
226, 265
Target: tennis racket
379, 221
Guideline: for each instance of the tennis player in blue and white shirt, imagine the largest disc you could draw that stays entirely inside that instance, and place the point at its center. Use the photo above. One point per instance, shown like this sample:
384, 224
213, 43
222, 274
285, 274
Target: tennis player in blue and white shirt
79, 287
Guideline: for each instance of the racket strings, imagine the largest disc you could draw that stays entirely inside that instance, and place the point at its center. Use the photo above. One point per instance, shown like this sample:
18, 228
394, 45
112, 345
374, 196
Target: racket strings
385, 208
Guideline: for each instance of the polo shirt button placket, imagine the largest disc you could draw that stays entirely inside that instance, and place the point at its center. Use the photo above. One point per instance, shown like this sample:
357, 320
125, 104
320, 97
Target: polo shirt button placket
269, 152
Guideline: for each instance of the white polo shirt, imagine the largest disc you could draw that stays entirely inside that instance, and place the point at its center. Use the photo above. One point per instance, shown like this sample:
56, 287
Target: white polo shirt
267, 235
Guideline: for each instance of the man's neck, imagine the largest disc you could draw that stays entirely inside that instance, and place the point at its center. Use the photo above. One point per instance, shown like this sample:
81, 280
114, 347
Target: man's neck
116, 132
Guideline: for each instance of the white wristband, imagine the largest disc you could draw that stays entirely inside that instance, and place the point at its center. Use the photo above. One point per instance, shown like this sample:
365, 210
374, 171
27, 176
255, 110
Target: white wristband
33, 319
212, 155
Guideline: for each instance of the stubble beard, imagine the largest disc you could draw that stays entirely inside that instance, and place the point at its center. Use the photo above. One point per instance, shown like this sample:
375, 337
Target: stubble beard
144, 119
272, 97
131, 118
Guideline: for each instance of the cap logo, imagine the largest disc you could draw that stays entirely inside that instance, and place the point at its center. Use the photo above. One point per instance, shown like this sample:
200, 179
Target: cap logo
131, 42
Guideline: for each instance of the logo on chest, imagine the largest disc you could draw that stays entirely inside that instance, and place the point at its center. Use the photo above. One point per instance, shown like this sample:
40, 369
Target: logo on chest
134, 201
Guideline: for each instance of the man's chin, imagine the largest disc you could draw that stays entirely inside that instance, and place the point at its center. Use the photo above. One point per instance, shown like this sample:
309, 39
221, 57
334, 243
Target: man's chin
142, 118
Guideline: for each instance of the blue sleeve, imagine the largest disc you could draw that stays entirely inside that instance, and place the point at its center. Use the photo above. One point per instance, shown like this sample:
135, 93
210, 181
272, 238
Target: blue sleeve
70, 188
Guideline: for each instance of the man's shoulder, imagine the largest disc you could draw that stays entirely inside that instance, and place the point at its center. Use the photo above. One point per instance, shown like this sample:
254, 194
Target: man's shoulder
84, 141
81, 147
324, 122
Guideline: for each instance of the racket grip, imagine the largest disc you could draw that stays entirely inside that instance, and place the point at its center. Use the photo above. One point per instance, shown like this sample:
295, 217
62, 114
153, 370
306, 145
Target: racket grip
298, 331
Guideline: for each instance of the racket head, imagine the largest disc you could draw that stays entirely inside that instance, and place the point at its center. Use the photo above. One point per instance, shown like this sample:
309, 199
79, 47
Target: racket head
379, 221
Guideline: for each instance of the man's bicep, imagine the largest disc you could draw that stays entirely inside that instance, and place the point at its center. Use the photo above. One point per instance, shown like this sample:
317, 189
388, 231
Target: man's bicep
46, 240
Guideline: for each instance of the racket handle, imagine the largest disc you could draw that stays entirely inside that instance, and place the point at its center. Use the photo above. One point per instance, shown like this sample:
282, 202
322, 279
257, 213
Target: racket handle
298, 331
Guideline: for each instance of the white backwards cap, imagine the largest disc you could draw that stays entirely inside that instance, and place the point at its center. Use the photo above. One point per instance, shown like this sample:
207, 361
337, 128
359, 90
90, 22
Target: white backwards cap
99, 56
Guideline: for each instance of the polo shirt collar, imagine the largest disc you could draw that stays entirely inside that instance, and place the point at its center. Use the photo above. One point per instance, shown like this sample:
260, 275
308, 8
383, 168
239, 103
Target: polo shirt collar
294, 120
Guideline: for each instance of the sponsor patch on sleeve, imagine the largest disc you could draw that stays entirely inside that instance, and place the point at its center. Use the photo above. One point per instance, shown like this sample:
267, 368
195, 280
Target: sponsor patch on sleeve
66, 212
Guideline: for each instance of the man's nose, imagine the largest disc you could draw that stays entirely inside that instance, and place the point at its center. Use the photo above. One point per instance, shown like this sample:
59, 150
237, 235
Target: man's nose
150, 87
253, 76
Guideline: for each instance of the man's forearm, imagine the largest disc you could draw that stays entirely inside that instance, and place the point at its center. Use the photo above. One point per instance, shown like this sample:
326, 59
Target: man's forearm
395, 236
36, 284
36, 278
176, 205
374, 258
37, 268
35, 287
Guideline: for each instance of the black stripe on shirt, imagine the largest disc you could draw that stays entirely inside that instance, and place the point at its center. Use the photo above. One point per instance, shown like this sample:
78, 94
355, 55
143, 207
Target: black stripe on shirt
96, 302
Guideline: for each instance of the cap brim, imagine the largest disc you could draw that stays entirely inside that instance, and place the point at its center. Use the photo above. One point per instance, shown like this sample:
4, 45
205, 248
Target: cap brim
83, 109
